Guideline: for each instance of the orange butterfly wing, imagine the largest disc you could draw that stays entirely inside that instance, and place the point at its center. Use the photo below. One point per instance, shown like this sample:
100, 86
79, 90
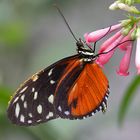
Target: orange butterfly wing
81, 91
89, 91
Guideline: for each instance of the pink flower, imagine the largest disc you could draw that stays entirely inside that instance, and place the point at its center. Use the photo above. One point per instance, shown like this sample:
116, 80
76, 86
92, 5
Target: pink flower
137, 59
124, 45
106, 46
125, 62
118, 40
96, 35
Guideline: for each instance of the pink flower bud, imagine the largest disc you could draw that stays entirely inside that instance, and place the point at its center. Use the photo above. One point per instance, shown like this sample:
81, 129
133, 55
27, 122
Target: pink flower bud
96, 35
118, 40
125, 62
104, 58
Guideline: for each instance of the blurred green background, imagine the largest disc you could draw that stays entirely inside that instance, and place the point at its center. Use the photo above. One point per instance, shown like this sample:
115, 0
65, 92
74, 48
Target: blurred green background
33, 36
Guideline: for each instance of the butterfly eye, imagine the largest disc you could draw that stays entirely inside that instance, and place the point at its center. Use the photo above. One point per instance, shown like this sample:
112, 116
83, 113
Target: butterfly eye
79, 44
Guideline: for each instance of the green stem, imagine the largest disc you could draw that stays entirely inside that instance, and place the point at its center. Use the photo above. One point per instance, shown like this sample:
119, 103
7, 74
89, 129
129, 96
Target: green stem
127, 99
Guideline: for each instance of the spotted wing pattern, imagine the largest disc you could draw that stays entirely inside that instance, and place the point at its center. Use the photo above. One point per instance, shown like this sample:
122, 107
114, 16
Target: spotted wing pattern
82, 91
33, 101
70, 88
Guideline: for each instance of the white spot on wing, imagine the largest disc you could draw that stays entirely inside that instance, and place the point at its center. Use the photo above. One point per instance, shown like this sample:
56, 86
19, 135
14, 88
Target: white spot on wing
100, 107
49, 115
106, 98
29, 121
51, 99
17, 109
23, 89
30, 115
84, 117
67, 112
33, 89
22, 97
39, 109
25, 104
59, 108
50, 72
35, 95
22, 118
52, 81
93, 114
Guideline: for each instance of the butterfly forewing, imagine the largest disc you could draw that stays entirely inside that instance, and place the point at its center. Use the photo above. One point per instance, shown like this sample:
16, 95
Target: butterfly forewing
85, 91
33, 101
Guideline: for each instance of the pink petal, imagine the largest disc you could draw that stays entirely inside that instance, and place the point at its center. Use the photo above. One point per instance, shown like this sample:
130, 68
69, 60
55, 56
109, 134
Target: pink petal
125, 62
104, 58
109, 41
96, 35
123, 46
137, 59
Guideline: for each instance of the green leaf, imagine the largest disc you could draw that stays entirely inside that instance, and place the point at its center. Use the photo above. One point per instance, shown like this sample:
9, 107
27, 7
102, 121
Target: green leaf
4, 98
127, 99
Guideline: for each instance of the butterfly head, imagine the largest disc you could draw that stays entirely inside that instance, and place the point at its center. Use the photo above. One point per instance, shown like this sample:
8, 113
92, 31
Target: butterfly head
87, 54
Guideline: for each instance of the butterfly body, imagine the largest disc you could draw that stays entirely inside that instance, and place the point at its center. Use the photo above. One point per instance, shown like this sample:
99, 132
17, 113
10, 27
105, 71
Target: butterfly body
72, 88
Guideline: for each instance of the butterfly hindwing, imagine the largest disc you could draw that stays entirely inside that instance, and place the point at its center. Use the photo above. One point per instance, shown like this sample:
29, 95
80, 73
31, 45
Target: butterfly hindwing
33, 101
85, 91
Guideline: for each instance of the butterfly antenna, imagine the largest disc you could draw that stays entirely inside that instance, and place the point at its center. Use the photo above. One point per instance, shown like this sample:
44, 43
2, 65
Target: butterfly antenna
112, 48
65, 21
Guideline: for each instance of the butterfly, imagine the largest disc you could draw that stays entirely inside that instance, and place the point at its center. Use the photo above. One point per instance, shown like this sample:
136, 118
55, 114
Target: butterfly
72, 88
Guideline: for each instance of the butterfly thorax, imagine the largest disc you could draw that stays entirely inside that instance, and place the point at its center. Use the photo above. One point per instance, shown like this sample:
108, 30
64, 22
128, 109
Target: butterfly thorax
87, 54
